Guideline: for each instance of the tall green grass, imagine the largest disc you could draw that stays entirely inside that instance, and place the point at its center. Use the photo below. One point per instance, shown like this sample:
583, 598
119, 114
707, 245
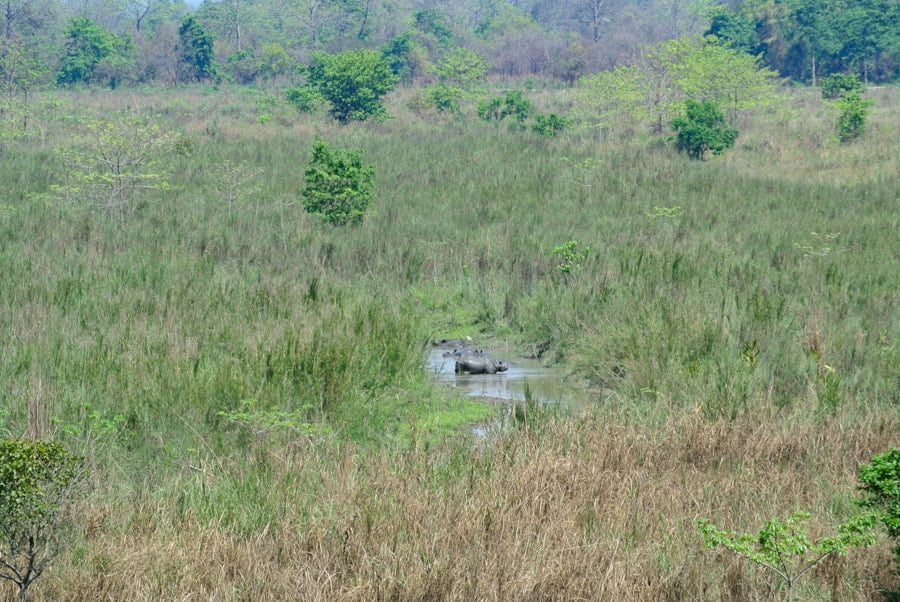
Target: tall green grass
761, 284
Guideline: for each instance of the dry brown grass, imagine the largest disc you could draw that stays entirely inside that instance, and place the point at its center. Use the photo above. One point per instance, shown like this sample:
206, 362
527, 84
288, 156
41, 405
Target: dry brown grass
591, 510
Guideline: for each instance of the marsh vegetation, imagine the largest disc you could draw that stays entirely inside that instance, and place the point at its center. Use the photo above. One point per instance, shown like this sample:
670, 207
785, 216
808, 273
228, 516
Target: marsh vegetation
248, 384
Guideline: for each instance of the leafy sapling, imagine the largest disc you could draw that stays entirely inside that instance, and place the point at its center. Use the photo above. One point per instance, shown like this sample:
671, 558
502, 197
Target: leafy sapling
851, 122
38, 480
571, 257
784, 547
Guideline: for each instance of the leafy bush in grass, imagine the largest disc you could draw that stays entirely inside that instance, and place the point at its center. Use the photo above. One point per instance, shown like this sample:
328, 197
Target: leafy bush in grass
338, 185
703, 130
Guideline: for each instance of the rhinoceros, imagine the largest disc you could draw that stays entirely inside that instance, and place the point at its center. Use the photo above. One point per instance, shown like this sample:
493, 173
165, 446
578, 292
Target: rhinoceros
469, 364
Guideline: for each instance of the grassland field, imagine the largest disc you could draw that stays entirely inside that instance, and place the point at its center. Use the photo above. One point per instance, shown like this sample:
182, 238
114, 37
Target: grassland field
248, 386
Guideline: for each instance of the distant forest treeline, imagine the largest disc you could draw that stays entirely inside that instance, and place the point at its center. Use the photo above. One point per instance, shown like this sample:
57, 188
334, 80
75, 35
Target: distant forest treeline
122, 42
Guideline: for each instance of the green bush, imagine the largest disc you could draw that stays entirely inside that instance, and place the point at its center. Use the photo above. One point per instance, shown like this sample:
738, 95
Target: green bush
839, 85
306, 99
851, 122
37, 484
703, 130
550, 125
338, 185
444, 97
514, 105
353, 82
880, 485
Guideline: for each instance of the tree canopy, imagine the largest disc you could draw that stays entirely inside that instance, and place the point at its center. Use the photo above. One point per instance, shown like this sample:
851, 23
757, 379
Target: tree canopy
653, 92
147, 40
353, 82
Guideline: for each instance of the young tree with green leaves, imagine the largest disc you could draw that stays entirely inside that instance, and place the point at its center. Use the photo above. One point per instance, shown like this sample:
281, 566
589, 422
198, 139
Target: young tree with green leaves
837, 85
460, 71
444, 98
784, 548
851, 122
353, 82
550, 125
274, 61
39, 481
338, 185
86, 45
462, 68
734, 29
21, 72
196, 57
433, 22
406, 56
654, 91
703, 130
110, 165
731, 78
608, 99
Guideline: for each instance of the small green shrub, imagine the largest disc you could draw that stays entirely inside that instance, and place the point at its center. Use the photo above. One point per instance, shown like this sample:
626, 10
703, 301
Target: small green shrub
306, 99
703, 130
262, 422
550, 125
570, 255
839, 85
880, 486
38, 480
853, 113
338, 186
444, 97
185, 145
514, 105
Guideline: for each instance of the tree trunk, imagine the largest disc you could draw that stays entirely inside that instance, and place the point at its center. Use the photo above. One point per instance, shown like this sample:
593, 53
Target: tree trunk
814, 70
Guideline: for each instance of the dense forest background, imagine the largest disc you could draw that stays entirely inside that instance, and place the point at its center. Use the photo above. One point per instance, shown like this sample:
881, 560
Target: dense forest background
126, 42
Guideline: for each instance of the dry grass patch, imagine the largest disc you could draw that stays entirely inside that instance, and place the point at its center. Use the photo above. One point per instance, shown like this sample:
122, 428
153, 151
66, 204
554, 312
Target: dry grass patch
573, 510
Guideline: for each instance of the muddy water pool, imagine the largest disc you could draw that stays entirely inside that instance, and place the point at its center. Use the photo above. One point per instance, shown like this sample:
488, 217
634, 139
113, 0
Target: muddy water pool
547, 385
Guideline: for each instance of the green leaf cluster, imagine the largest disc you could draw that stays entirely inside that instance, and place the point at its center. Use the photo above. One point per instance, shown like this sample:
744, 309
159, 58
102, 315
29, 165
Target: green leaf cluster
462, 68
87, 45
703, 130
851, 122
839, 85
338, 185
880, 486
445, 98
653, 92
274, 61
514, 105
260, 422
784, 547
432, 22
305, 98
37, 483
353, 82
197, 58
550, 125
571, 257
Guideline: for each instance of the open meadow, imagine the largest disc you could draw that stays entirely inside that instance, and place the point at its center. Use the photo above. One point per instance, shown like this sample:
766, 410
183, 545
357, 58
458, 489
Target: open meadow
249, 390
